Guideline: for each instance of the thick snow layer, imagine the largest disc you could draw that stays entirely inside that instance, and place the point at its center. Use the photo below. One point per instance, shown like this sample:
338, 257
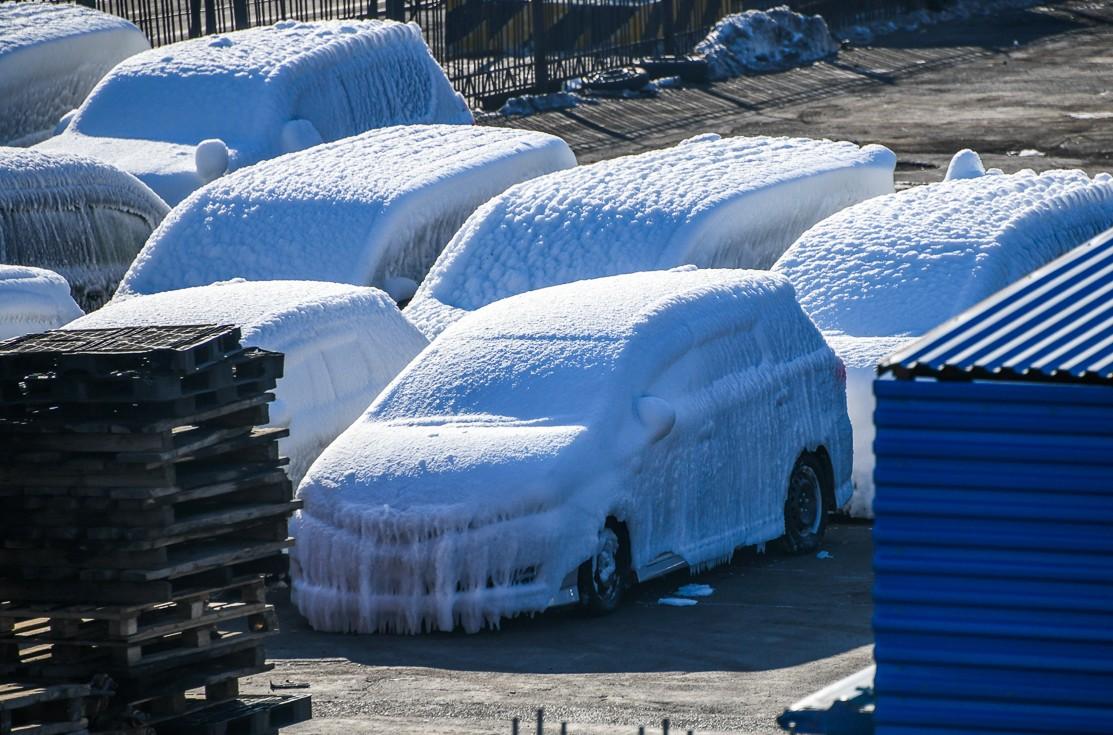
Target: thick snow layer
765, 40
483, 474
80, 217
901, 264
51, 55
721, 203
262, 92
342, 345
33, 300
367, 210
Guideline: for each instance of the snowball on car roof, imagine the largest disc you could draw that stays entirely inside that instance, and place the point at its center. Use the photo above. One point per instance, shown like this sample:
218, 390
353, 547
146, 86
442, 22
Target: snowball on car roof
51, 55
735, 202
903, 263
363, 210
33, 300
342, 345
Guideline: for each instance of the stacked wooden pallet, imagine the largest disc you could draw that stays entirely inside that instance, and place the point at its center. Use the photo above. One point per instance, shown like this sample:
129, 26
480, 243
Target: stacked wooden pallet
31, 709
142, 508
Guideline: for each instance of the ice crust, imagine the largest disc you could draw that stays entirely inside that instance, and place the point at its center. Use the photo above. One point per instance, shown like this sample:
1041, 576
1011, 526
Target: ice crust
80, 217
764, 41
33, 300
719, 203
256, 90
482, 475
363, 210
342, 344
878, 274
51, 55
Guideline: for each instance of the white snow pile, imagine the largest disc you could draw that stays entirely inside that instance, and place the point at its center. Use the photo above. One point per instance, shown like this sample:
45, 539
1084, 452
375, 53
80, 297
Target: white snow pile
180, 115
342, 344
954, 10
528, 104
481, 477
375, 209
711, 202
764, 41
33, 300
51, 55
80, 217
876, 275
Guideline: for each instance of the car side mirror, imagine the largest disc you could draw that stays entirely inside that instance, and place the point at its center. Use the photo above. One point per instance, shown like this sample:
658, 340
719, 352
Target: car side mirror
657, 415
299, 134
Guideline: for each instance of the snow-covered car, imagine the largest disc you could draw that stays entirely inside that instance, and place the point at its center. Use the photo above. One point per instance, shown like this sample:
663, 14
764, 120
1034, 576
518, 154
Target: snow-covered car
880, 273
33, 300
375, 209
557, 445
51, 56
342, 344
710, 202
78, 216
181, 115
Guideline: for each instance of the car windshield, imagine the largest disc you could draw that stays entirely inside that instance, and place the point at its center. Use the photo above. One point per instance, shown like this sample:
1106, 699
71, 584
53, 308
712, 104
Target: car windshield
532, 378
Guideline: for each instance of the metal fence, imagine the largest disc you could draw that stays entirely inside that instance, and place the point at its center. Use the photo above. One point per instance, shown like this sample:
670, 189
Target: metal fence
493, 49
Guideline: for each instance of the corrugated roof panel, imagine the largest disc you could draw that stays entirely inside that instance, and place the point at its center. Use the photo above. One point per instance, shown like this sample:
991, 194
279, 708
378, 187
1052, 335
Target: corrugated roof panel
1055, 324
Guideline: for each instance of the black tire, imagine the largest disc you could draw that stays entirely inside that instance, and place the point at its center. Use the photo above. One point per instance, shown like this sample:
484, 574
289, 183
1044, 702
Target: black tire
602, 579
806, 507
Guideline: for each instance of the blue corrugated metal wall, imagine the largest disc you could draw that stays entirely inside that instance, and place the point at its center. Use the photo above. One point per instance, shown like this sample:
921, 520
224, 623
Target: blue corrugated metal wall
993, 558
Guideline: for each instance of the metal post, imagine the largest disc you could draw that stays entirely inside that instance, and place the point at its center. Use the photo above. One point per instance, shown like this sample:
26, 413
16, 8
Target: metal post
396, 10
514, 726
239, 14
563, 728
210, 17
541, 721
194, 18
668, 25
540, 58
665, 726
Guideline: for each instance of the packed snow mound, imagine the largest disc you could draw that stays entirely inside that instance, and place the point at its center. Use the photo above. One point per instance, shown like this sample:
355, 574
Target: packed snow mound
481, 477
342, 345
720, 203
80, 217
33, 300
765, 40
368, 210
51, 56
966, 164
904, 263
261, 92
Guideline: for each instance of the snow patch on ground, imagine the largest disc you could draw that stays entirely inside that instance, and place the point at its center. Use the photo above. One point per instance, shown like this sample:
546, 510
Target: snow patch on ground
375, 209
695, 590
51, 55
765, 41
528, 104
33, 300
721, 203
343, 344
677, 602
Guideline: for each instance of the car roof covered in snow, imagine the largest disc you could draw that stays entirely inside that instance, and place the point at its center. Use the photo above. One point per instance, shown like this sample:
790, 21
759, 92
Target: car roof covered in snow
360, 210
32, 179
27, 24
711, 202
903, 263
33, 300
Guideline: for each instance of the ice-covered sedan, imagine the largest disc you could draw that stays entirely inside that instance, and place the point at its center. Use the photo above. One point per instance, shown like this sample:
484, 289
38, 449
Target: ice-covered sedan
182, 115
558, 445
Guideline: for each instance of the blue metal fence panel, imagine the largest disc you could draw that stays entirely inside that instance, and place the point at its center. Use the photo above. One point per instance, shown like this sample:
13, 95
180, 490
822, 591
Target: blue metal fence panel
1055, 324
993, 560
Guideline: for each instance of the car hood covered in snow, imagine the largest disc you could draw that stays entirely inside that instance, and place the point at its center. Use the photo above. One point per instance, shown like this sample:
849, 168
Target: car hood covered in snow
33, 300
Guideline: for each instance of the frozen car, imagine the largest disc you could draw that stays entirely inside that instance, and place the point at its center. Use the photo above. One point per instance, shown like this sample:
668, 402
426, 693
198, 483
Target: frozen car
33, 300
342, 345
710, 202
51, 55
375, 209
558, 445
180, 116
878, 274
80, 217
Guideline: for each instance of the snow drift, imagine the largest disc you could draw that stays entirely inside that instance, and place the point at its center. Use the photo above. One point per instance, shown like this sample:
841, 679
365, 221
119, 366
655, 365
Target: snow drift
734, 202
882, 272
180, 115
80, 217
342, 345
764, 41
51, 55
674, 401
375, 209
33, 300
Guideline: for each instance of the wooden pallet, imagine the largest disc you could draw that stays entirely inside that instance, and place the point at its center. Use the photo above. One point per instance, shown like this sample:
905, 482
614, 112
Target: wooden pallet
38, 709
247, 715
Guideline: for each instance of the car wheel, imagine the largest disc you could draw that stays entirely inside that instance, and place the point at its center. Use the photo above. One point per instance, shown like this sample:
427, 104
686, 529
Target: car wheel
805, 507
602, 579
